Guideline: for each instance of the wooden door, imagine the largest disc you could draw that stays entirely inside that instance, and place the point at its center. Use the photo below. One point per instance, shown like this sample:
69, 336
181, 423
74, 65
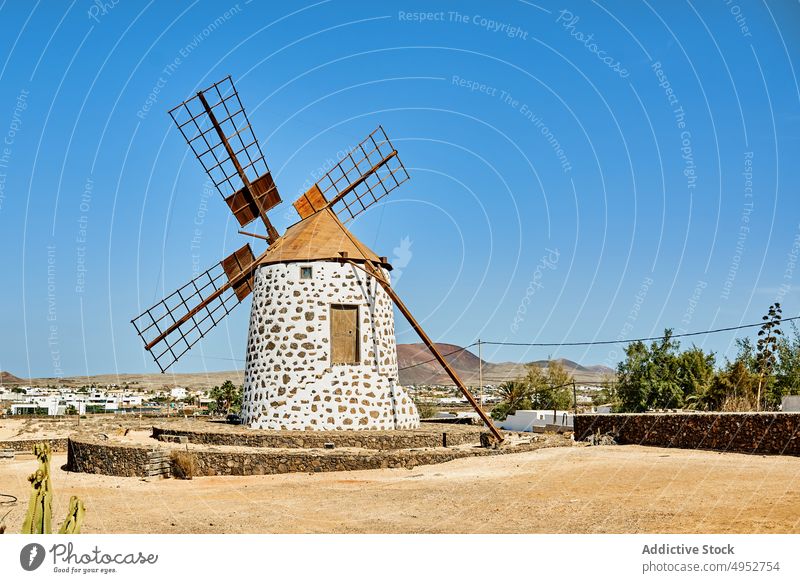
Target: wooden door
344, 334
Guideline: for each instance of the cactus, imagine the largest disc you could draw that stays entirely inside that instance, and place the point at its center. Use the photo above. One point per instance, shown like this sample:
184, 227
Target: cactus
72, 524
40, 511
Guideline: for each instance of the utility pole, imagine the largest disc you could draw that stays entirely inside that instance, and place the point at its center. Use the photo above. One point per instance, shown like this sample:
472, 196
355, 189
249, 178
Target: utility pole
480, 372
574, 397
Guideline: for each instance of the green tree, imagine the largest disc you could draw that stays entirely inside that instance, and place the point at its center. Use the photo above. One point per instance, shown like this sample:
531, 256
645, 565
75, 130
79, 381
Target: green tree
696, 375
747, 354
607, 393
648, 377
228, 397
425, 408
734, 388
766, 357
787, 371
514, 395
550, 389
538, 389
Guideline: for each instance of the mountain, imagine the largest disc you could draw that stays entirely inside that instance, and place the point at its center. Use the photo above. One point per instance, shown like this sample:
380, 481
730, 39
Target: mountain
417, 366
576, 369
416, 363
154, 381
6, 378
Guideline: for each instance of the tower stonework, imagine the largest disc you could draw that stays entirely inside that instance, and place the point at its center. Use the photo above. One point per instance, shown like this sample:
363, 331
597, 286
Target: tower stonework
321, 351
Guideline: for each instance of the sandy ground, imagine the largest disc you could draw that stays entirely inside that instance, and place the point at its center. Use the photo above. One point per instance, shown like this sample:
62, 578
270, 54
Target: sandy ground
615, 489
31, 429
24, 428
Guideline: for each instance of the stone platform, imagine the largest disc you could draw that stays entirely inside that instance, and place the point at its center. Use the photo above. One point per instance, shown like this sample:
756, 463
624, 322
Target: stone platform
428, 435
219, 449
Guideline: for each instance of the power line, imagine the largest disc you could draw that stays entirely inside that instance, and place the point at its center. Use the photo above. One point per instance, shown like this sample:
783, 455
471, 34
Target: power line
206, 357
598, 342
626, 341
434, 359
557, 344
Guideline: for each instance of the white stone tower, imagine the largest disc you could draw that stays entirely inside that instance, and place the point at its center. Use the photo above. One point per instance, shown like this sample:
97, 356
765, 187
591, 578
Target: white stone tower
321, 350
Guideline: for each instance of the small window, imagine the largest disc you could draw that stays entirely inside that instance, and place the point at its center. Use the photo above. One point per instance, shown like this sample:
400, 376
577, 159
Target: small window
305, 272
344, 334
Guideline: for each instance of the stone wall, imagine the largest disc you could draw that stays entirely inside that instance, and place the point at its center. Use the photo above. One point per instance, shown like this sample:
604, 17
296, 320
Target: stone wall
92, 456
26, 445
383, 440
212, 463
103, 457
759, 433
290, 382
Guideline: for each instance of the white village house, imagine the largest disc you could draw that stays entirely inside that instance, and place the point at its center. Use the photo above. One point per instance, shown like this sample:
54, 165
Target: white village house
538, 420
178, 393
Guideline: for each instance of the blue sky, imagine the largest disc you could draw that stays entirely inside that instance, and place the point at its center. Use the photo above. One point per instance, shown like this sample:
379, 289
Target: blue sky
580, 170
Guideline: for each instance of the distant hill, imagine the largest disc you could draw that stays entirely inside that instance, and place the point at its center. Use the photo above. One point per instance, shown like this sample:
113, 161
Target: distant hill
416, 363
197, 380
576, 369
601, 368
6, 378
418, 367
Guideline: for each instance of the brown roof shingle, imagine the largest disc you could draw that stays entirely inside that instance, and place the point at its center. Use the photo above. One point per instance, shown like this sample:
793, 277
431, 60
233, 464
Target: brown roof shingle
320, 236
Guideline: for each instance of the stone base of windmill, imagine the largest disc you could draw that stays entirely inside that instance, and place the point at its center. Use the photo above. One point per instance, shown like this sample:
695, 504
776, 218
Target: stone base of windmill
302, 372
353, 400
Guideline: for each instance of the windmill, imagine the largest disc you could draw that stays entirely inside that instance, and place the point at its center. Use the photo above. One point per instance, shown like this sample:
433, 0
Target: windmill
321, 351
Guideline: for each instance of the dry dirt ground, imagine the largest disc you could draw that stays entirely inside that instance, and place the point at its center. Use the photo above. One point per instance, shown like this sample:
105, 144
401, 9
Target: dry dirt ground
43, 427
613, 489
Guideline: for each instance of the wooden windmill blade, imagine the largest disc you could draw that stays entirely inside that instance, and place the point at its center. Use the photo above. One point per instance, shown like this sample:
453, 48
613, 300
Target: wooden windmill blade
215, 125
176, 323
361, 178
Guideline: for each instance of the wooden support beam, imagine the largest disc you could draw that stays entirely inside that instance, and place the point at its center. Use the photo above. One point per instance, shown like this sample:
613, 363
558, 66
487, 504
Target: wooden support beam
372, 270
256, 235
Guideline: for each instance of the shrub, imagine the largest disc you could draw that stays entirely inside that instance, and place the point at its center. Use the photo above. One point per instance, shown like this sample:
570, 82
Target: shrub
426, 409
500, 411
184, 465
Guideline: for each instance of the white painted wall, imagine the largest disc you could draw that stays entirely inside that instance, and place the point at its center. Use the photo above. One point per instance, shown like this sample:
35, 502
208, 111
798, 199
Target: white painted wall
527, 419
177, 393
790, 403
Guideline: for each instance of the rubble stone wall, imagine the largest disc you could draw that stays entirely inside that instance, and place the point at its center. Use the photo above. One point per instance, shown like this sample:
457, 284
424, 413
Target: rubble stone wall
290, 382
212, 463
103, 457
26, 445
377, 440
759, 433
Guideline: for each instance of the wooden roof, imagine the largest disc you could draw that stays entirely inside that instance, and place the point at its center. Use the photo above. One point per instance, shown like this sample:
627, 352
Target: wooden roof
318, 237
